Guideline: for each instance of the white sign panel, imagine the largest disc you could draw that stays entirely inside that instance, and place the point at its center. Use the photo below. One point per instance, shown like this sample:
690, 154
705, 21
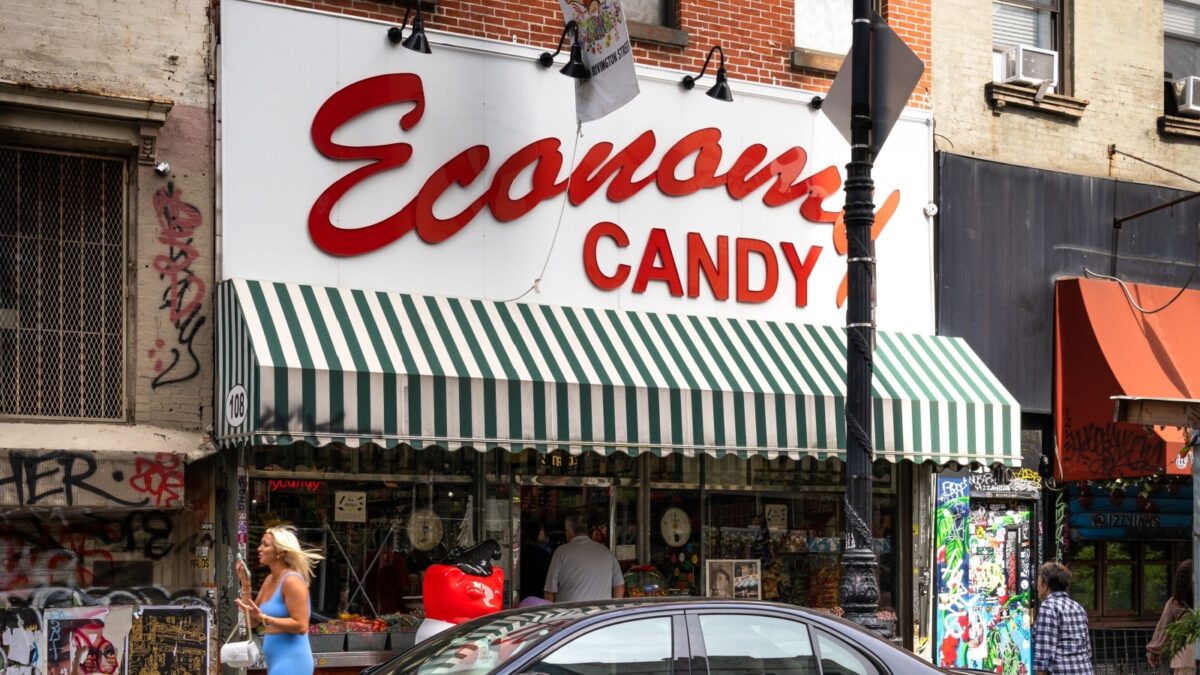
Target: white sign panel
350, 507
348, 162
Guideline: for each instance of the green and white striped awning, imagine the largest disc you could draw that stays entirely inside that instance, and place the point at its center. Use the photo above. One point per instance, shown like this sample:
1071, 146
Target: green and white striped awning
325, 365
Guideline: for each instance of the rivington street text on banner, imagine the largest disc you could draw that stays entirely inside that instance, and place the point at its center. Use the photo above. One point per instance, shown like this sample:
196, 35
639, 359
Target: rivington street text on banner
608, 54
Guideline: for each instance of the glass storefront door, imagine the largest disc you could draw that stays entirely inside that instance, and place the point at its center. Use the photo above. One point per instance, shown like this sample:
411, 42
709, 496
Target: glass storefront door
546, 501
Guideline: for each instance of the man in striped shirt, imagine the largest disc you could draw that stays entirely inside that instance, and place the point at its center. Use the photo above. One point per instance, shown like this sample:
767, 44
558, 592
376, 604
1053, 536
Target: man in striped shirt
1060, 635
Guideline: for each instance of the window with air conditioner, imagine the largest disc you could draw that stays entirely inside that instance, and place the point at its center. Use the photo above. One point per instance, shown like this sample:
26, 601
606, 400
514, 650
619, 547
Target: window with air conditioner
1026, 42
1181, 57
62, 285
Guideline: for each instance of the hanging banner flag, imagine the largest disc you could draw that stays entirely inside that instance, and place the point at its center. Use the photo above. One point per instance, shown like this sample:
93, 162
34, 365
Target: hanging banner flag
607, 53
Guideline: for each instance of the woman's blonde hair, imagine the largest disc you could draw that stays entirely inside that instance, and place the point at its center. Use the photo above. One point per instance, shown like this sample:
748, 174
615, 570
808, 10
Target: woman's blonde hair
295, 557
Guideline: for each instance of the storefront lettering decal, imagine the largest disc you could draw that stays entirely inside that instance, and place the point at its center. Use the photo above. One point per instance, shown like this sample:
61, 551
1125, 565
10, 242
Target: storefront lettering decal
658, 264
277, 484
544, 160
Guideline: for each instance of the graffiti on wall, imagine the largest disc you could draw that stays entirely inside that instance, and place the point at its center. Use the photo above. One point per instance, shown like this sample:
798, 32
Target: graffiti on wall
984, 572
64, 478
950, 537
1109, 450
87, 640
175, 358
1005, 481
70, 552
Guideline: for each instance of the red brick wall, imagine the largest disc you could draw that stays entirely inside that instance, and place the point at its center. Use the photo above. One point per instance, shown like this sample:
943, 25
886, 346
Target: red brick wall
757, 37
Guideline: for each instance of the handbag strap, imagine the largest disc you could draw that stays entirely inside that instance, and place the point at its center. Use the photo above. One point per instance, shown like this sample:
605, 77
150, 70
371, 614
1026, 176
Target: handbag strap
243, 624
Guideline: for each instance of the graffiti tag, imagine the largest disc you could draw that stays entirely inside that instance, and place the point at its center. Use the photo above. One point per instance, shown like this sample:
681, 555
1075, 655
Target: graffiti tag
183, 297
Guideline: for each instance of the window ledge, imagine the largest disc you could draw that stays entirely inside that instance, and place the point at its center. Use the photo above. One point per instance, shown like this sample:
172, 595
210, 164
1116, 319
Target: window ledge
1001, 95
811, 59
113, 122
663, 35
1182, 127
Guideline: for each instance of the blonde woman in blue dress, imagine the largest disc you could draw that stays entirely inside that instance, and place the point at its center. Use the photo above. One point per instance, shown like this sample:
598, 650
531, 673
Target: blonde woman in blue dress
282, 606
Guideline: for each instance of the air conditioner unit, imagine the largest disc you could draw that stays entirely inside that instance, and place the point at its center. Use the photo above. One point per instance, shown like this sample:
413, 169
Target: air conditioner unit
1031, 66
1187, 96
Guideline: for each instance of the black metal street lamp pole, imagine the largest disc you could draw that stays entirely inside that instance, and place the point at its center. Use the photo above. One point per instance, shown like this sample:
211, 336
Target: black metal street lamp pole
858, 591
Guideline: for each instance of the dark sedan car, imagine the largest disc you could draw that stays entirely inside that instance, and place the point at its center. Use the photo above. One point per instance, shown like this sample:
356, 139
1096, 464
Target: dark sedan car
639, 637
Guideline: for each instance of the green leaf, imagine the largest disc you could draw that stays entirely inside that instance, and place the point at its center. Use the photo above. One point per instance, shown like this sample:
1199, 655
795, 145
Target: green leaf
1180, 633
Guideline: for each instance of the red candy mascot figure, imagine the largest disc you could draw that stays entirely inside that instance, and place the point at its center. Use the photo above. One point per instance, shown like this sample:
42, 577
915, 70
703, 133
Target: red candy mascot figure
464, 587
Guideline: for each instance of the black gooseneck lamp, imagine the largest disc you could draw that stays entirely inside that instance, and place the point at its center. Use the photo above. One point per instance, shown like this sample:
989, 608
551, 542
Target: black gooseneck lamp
416, 40
575, 67
720, 90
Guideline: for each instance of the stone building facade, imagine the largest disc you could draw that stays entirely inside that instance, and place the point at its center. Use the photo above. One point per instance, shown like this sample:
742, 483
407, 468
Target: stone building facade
107, 228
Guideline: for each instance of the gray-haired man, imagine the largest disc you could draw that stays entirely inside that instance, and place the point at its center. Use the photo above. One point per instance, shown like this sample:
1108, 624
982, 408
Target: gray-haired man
583, 569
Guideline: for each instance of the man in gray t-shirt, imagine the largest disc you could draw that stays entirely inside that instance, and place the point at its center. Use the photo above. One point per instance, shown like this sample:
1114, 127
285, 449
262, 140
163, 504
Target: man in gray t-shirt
583, 569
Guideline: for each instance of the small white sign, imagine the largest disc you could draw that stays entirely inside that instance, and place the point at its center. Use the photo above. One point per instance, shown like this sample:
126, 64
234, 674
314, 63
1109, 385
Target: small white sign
235, 406
350, 507
626, 551
776, 517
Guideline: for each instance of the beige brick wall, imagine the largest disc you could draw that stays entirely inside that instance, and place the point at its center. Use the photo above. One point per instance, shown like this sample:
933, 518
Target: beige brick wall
1118, 68
156, 49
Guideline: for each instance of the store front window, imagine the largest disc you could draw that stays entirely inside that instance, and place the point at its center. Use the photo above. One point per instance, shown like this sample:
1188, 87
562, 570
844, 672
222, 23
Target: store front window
786, 514
1124, 579
380, 518
789, 515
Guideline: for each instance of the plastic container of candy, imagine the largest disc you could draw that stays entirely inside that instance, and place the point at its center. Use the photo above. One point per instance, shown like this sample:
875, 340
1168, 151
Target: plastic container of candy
644, 581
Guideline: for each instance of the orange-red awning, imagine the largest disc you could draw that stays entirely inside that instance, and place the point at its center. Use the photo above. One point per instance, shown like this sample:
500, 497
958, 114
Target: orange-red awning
1104, 347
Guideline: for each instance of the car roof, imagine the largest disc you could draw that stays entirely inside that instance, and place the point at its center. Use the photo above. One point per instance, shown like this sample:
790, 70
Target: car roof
570, 612
579, 615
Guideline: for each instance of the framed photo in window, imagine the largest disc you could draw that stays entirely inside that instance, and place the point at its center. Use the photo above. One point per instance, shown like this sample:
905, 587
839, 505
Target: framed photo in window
741, 579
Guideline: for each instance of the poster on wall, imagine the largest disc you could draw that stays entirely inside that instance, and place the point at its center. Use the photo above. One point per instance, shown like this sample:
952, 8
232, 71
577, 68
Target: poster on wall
169, 640
20, 638
985, 563
87, 640
740, 579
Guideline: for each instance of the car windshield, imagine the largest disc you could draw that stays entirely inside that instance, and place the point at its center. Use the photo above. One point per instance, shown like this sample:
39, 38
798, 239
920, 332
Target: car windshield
482, 645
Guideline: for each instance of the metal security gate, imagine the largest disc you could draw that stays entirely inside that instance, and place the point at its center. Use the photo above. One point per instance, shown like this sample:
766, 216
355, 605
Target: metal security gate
1122, 651
62, 285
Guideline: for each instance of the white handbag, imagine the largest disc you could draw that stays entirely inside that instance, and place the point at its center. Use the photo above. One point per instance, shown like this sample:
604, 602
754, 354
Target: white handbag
244, 653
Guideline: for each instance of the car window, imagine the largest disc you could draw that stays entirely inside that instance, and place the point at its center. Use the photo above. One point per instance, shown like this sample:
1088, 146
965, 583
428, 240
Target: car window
839, 658
741, 643
479, 646
641, 647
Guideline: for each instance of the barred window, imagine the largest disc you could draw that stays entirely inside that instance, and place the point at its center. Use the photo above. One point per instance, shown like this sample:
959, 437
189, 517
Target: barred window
62, 285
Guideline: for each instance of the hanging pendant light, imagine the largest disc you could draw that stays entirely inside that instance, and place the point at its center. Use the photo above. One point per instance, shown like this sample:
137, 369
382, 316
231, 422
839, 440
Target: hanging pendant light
416, 40
575, 67
720, 90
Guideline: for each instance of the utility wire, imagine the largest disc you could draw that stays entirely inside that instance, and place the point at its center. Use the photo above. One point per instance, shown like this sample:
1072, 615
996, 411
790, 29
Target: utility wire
1129, 296
1160, 167
562, 209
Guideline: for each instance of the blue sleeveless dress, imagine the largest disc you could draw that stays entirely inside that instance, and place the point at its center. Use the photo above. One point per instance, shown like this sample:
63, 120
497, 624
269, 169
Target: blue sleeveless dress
285, 653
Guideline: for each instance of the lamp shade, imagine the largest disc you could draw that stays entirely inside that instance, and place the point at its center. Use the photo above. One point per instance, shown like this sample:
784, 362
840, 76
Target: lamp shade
575, 67
720, 90
416, 40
